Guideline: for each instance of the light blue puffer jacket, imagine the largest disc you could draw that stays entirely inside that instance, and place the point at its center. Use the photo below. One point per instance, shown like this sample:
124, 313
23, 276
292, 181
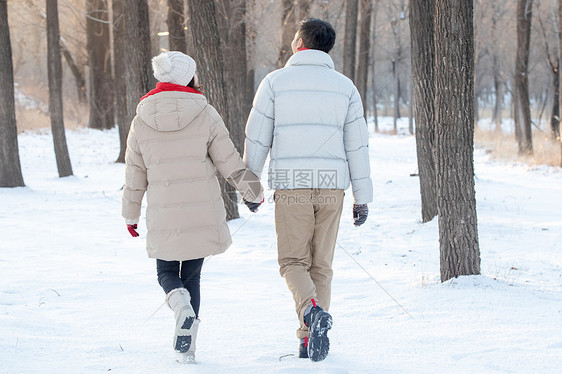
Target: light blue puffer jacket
311, 117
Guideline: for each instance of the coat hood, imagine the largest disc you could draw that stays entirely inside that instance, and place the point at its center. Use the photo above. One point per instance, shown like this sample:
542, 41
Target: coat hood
171, 110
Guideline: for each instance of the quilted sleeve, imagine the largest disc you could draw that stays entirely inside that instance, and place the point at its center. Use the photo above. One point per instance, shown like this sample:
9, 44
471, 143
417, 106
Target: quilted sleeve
356, 143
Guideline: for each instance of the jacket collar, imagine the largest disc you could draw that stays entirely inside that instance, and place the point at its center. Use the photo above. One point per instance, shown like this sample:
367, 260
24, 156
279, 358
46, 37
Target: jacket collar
164, 86
311, 57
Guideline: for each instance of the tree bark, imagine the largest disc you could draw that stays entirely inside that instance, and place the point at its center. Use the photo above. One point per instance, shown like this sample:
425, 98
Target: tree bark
396, 95
176, 26
498, 91
423, 78
121, 113
373, 67
350, 38
55, 90
559, 137
364, 47
208, 52
10, 167
454, 118
232, 27
555, 112
523, 114
137, 57
76, 72
99, 61
498, 83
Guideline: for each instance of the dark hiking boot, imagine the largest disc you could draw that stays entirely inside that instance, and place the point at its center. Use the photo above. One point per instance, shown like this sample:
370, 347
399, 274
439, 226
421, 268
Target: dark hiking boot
319, 322
303, 348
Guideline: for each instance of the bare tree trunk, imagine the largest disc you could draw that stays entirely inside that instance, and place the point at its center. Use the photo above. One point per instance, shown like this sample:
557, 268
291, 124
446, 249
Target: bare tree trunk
411, 109
364, 46
76, 72
99, 61
454, 118
560, 80
396, 95
208, 50
188, 35
373, 63
176, 26
555, 113
10, 167
251, 52
498, 91
350, 38
138, 71
231, 14
294, 11
55, 89
523, 115
516, 120
497, 113
423, 82
121, 113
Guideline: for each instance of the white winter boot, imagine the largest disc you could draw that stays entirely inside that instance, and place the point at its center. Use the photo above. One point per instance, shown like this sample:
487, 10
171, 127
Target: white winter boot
179, 301
189, 356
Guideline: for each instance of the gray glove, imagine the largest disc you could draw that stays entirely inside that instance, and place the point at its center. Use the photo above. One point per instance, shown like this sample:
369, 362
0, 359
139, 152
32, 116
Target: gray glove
360, 213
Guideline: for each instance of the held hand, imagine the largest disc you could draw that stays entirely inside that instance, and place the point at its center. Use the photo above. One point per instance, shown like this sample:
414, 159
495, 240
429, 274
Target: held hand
132, 230
252, 206
360, 213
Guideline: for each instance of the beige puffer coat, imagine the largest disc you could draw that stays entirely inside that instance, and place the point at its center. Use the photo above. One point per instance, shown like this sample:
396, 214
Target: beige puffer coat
176, 143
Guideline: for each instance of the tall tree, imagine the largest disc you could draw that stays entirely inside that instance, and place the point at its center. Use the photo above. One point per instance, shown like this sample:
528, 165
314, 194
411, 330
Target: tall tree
558, 131
294, 11
493, 47
99, 61
119, 66
454, 120
10, 167
231, 15
423, 81
364, 46
350, 38
553, 61
523, 113
373, 64
208, 51
137, 57
55, 89
176, 26
77, 73
397, 61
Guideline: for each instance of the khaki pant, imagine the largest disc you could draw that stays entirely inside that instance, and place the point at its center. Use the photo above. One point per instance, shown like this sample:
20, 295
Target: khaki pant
307, 223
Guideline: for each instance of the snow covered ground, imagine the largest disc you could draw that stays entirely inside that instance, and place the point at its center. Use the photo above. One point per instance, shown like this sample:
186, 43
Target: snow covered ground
79, 295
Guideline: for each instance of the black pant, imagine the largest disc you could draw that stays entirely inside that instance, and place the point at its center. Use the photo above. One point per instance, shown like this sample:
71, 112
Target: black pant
170, 278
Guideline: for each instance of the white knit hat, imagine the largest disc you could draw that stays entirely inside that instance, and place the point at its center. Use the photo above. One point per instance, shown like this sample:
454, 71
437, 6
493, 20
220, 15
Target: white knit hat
174, 67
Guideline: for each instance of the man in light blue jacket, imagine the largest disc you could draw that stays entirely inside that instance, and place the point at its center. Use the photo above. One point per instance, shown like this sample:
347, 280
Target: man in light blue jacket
310, 118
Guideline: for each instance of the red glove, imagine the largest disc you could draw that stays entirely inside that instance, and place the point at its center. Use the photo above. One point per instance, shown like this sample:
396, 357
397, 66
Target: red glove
132, 230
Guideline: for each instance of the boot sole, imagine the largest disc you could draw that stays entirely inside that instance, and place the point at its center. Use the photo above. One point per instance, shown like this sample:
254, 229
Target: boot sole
183, 330
319, 343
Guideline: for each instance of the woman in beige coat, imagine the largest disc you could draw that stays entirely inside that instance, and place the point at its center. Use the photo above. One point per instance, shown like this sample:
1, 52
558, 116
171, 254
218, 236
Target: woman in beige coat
176, 143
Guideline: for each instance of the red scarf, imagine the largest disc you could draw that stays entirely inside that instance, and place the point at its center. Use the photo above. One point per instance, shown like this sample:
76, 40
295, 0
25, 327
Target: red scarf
164, 86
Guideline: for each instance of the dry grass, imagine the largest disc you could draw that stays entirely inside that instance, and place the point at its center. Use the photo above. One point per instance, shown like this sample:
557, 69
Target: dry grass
546, 151
33, 119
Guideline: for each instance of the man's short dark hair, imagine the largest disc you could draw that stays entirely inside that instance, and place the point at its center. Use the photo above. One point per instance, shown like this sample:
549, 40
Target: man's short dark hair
317, 34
